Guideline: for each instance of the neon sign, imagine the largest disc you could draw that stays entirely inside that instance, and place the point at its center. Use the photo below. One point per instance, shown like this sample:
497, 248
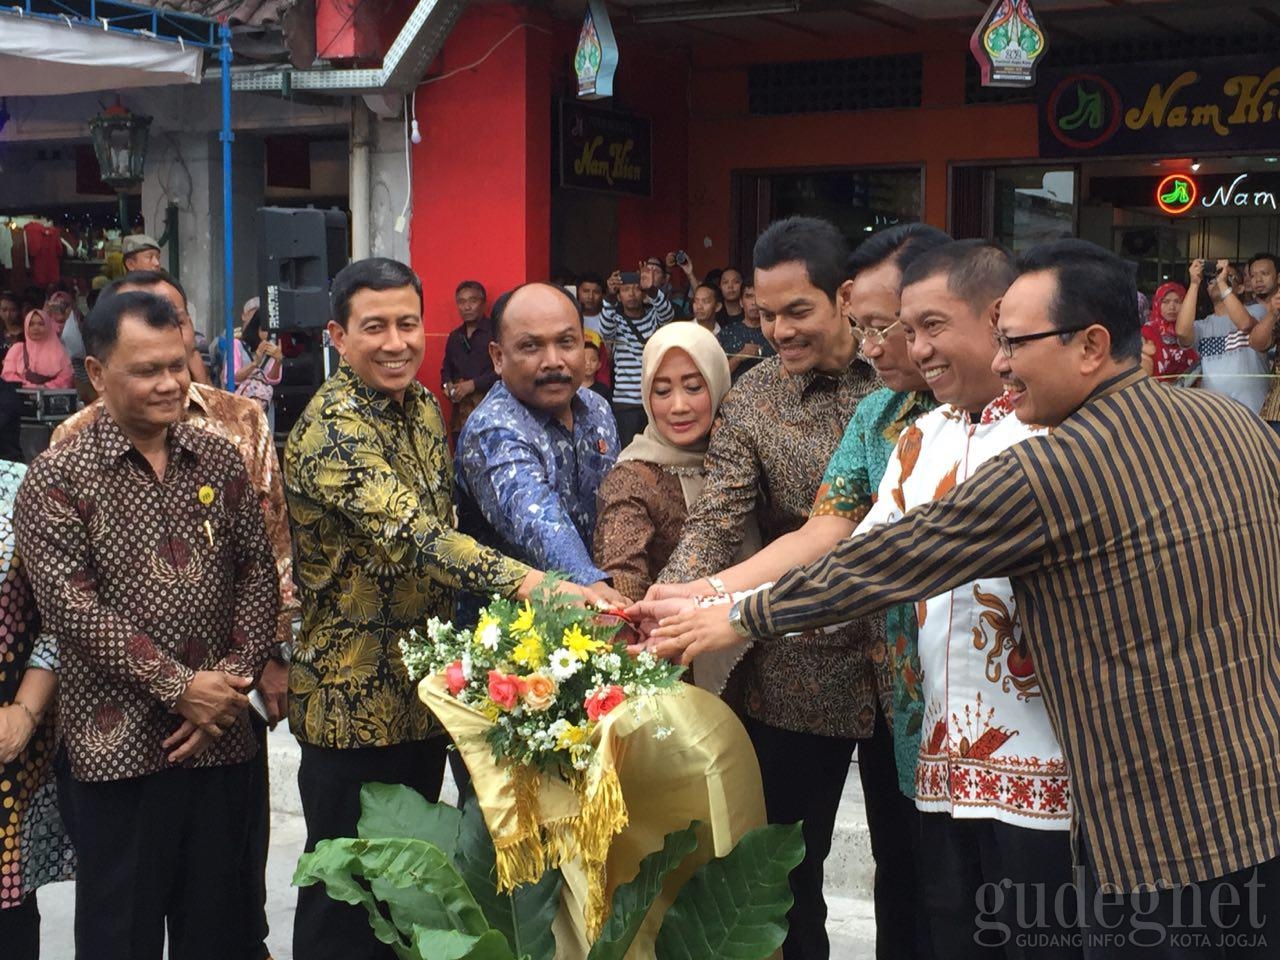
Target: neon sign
1176, 194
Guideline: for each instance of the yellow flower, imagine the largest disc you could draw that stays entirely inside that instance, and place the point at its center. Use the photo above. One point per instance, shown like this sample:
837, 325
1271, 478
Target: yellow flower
206, 495
522, 623
581, 645
529, 652
488, 632
571, 737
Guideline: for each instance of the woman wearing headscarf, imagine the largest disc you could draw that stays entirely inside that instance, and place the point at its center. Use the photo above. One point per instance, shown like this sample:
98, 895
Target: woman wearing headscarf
40, 361
34, 849
643, 502
1162, 355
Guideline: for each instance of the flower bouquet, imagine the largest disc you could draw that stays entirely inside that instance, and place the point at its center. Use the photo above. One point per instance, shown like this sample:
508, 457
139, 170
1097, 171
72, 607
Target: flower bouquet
535, 680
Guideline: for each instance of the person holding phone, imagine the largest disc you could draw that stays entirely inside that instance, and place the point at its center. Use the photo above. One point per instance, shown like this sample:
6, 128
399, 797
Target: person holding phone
1228, 363
633, 311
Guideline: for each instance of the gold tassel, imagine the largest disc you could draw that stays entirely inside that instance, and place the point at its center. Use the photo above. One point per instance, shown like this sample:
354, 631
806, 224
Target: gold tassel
521, 858
603, 817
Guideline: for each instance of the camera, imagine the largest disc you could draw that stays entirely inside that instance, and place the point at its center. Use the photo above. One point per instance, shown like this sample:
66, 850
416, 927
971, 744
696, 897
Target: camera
630, 276
681, 257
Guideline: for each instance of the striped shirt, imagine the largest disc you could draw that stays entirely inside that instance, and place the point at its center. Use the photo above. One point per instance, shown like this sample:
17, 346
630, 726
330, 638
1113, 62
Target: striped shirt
628, 336
1147, 572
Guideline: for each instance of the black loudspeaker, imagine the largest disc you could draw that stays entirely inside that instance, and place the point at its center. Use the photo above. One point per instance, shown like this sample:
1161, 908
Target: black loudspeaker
298, 253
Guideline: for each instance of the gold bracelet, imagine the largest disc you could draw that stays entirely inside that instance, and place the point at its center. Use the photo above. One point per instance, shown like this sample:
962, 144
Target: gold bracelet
27, 710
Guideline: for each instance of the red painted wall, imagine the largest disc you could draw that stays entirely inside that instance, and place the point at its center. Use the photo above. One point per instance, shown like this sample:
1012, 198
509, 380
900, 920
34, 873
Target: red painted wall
725, 138
481, 197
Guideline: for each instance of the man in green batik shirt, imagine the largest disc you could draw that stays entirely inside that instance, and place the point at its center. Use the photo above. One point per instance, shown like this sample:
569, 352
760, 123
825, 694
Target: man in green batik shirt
845, 495
369, 483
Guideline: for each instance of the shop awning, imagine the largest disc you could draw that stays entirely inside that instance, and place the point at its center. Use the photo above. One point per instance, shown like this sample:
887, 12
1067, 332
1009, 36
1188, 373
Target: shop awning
42, 57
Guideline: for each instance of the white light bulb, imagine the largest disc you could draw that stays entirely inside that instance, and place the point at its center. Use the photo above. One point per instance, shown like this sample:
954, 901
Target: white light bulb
415, 134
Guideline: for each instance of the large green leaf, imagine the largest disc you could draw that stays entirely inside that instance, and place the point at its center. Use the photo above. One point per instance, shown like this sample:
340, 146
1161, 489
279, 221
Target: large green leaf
451, 945
735, 907
394, 810
414, 879
631, 900
526, 916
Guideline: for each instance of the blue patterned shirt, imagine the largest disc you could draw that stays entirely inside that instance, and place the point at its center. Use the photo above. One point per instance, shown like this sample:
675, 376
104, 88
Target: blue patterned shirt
527, 485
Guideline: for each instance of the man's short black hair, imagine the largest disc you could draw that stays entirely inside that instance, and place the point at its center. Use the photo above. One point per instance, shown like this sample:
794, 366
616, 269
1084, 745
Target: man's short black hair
475, 285
901, 245
101, 328
977, 271
815, 243
713, 287
1275, 261
145, 278
591, 278
372, 273
11, 297
1094, 286
500, 305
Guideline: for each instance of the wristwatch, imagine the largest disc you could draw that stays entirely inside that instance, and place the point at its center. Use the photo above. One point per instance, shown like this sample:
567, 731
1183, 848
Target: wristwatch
735, 621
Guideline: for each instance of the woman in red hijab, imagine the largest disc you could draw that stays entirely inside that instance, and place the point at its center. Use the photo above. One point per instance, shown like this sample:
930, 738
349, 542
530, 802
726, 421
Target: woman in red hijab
1169, 358
40, 361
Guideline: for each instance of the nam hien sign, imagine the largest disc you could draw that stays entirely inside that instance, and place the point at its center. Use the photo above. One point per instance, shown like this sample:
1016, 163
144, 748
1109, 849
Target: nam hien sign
1180, 193
604, 150
1172, 109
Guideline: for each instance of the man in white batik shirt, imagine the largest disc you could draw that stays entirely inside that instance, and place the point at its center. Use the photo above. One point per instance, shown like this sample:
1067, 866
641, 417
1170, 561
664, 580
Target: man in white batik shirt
991, 781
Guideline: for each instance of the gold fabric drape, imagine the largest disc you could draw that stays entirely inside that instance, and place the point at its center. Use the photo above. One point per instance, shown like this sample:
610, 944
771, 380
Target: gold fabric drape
703, 768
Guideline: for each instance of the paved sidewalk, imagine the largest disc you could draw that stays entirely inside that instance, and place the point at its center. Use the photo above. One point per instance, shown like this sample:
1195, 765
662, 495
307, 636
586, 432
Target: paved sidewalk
850, 921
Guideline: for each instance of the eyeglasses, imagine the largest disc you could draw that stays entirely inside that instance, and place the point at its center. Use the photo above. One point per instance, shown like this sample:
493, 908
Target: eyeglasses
870, 336
1006, 344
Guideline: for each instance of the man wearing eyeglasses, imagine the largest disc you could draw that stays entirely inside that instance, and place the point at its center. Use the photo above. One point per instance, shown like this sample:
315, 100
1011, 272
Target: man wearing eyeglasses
1157, 660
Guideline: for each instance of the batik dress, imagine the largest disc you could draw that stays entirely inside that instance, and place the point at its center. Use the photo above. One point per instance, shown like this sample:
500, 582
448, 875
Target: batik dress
34, 848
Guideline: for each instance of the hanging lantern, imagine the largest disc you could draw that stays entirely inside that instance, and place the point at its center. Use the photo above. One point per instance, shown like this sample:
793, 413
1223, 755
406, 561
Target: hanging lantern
120, 143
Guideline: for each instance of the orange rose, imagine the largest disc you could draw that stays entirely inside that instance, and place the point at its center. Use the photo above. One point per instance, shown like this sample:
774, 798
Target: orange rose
539, 692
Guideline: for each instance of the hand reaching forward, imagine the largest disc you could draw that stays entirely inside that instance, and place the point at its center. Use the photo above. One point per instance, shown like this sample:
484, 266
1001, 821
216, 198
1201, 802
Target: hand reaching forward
680, 629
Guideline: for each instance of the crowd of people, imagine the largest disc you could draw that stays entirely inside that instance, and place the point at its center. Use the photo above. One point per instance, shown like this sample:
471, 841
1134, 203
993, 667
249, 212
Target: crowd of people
918, 504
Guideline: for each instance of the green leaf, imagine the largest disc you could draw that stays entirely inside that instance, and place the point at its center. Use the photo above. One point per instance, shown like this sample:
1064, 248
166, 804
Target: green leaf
451, 945
526, 916
394, 810
413, 878
735, 907
632, 900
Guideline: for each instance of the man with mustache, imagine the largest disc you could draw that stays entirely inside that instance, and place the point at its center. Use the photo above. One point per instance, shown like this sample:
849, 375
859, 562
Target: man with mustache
531, 457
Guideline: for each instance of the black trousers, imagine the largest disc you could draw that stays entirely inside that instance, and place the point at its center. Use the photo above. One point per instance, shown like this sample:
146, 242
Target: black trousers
1236, 917
164, 850
631, 420
981, 891
804, 776
20, 931
329, 781
253, 880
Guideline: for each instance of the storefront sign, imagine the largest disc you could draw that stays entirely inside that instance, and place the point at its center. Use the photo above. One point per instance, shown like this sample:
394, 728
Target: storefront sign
1178, 192
1163, 109
604, 150
596, 59
1008, 44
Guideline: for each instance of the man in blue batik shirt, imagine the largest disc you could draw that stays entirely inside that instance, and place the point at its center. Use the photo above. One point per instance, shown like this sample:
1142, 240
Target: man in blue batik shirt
531, 457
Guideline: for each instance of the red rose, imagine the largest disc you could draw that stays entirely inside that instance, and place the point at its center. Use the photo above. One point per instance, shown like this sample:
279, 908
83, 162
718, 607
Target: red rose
454, 679
504, 689
601, 701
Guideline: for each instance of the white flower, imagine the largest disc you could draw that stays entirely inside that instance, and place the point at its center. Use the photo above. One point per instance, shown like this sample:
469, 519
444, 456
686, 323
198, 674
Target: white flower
564, 664
490, 636
466, 664
434, 626
611, 662
556, 729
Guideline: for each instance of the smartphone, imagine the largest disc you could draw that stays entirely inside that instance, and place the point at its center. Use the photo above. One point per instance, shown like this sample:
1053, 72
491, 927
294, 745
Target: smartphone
630, 276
